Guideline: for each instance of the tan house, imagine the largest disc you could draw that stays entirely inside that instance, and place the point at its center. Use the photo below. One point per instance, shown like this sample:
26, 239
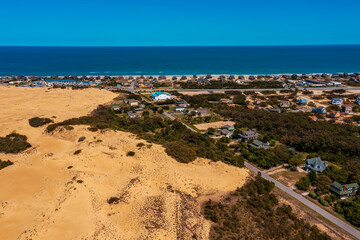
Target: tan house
132, 102
347, 109
334, 114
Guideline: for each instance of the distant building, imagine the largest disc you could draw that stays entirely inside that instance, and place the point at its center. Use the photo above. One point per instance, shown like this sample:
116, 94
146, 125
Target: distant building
314, 118
132, 102
116, 108
357, 101
302, 101
260, 144
134, 115
347, 109
179, 109
225, 100
337, 101
334, 114
203, 113
274, 110
160, 96
226, 133
284, 104
229, 127
321, 110
315, 164
344, 190
248, 135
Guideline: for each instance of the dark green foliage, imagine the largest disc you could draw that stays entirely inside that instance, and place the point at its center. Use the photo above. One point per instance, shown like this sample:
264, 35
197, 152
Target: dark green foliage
181, 151
13, 143
4, 164
139, 145
253, 212
303, 184
113, 200
323, 202
37, 122
350, 210
267, 158
130, 154
160, 131
77, 152
313, 195
312, 176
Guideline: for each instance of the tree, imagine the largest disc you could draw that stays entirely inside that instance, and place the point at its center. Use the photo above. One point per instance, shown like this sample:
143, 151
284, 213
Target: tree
303, 184
322, 184
312, 176
294, 162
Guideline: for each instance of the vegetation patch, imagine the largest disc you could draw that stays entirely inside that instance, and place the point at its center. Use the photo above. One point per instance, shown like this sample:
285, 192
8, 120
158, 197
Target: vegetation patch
4, 164
13, 143
130, 154
77, 152
38, 122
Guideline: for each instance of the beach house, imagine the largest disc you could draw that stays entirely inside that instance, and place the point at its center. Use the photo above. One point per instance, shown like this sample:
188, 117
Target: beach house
132, 102
203, 113
226, 133
302, 101
315, 164
344, 190
284, 104
160, 96
347, 109
321, 110
357, 101
334, 114
225, 100
337, 101
260, 144
248, 135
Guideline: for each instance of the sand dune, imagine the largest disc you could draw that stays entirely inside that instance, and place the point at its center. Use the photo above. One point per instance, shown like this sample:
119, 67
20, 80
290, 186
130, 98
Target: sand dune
50, 193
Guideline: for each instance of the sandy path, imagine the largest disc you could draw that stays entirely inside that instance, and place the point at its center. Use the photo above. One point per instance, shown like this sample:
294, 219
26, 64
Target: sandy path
42, 198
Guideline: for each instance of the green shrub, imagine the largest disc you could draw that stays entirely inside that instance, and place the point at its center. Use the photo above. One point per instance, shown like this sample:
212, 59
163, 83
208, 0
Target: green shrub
139, 145
181, 152
130, 154
14, 143
77, 152
4, 164
313, 195
303, 184
38, 122
323, 202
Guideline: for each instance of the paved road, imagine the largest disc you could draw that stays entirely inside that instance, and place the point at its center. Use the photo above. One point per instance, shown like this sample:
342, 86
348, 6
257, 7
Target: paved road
242, 90
347, 227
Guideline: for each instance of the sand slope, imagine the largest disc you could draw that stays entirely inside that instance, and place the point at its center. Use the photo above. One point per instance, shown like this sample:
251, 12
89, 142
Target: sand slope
42, 198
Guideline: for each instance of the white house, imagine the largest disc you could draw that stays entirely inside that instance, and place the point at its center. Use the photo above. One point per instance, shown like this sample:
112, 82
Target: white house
160, 96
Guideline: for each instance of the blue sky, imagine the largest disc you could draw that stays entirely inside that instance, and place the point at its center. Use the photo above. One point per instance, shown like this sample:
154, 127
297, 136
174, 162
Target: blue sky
178, 23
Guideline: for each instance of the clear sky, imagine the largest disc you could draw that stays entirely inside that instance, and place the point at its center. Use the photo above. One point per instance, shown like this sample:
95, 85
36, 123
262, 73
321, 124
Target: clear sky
178, 22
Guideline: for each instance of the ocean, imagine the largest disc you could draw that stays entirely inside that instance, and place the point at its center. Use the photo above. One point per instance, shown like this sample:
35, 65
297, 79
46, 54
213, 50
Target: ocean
46, 61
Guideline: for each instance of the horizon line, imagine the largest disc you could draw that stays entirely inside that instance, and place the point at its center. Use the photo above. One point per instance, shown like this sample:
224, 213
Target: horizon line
144, 46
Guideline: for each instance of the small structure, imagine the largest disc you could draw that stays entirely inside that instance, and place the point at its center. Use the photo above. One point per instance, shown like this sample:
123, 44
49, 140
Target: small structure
344, 190
134, 114
321, 110
315, 164
337, 101
179, 109
116, 108
160, 96
248, 135
225, 100
229, 127
302, 101
257, 101
132, 102
347, 109
357, 101
284, 104
226, 133
334, 114
182, 103
274, 110
260, 144
314, 118
203, 113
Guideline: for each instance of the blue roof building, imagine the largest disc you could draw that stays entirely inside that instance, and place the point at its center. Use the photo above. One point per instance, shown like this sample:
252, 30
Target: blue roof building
357, 101
337, 101
319, 110
302, 101
160, 96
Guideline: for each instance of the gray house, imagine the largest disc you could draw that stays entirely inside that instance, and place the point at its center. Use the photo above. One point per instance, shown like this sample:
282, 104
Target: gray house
250, 134
315, 164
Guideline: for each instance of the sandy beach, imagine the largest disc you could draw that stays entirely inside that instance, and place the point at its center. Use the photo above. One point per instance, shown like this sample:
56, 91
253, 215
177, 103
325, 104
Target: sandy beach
50, 193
